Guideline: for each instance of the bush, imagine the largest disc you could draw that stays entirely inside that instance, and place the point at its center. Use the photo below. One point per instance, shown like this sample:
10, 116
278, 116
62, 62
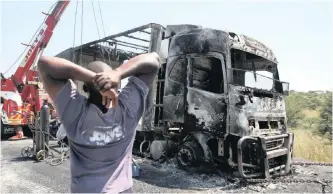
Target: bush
311, 121
314, 144
294, 110
325, 121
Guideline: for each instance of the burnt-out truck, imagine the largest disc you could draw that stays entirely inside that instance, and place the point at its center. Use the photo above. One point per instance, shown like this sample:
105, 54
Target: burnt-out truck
216, 101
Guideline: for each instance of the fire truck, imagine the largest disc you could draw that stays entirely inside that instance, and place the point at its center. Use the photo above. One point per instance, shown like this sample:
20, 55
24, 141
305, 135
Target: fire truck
22, 94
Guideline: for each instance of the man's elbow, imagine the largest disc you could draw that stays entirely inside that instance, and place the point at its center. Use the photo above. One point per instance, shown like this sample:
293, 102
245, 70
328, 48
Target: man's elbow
41, 64
155, 62
155, 66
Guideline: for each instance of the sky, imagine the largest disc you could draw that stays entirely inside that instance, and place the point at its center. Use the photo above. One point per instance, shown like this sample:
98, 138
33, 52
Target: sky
298, 32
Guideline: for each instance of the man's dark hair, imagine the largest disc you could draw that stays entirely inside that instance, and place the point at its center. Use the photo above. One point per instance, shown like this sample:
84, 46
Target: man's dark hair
94, 95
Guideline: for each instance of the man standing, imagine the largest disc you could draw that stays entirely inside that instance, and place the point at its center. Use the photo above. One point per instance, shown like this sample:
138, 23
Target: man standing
101, 128
54, 123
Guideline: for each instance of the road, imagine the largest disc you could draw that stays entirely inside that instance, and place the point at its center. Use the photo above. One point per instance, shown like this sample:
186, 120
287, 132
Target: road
20, 175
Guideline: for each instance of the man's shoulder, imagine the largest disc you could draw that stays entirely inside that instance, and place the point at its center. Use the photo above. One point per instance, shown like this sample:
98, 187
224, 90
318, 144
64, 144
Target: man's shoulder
136, 84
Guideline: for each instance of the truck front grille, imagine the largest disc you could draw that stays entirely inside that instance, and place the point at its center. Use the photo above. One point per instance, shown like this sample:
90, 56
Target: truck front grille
274, 144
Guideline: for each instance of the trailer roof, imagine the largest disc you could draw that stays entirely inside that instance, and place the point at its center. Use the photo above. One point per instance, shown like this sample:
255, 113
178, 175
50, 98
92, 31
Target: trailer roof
129, 43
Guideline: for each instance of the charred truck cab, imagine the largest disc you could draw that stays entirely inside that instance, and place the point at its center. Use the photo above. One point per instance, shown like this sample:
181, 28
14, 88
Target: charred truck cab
218, 100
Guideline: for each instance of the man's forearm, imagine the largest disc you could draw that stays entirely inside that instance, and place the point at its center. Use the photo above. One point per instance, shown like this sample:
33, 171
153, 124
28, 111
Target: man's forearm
140, 65
61, 69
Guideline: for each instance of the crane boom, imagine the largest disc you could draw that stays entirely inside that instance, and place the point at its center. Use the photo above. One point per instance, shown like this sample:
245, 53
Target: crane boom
40, 42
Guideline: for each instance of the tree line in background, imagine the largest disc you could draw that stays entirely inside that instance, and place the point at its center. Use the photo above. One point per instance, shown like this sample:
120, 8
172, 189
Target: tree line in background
310, 110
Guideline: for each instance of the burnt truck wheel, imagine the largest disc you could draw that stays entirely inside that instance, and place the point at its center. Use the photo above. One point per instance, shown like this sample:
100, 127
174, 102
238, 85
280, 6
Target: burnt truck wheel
189, 156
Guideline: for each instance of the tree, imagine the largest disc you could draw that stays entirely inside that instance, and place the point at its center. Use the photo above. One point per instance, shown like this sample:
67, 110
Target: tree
325, 121
294, 110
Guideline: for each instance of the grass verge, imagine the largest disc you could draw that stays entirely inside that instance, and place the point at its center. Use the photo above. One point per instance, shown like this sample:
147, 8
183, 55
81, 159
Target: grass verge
312, 147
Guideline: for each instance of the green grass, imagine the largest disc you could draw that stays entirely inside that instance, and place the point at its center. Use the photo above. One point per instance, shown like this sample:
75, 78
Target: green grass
312, 147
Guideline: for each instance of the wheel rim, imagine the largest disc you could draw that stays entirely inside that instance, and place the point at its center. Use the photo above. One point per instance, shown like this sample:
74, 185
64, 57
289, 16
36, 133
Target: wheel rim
188, 155
40, 155
26, 152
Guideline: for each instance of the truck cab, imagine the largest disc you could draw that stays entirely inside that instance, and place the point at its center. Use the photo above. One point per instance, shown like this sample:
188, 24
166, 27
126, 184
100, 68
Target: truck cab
219, 99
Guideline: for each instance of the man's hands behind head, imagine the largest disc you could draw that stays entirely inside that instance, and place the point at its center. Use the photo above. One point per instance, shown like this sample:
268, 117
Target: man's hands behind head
107, 82
145, 66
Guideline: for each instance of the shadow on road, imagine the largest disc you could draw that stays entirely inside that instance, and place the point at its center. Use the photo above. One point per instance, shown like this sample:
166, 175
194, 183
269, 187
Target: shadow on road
23, 159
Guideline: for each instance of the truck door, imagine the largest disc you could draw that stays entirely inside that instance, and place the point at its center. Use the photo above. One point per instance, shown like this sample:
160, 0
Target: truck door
205, 95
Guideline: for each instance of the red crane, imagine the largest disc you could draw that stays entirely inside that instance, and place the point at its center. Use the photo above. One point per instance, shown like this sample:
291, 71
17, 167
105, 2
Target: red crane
22, 94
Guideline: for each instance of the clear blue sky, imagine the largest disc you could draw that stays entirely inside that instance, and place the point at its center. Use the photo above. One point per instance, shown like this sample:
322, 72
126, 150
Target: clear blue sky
298, 32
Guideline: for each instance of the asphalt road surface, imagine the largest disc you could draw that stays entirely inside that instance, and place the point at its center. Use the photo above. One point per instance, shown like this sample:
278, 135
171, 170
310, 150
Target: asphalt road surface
20, 175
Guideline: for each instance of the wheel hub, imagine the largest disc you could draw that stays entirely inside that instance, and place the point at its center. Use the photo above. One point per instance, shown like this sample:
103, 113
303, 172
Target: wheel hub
186, 156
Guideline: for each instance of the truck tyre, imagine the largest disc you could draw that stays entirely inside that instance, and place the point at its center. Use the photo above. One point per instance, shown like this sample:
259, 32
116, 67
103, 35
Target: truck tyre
190, 156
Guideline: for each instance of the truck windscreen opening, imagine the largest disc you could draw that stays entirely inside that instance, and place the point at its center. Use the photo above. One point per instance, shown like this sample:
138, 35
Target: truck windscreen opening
253, 71
262, 80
